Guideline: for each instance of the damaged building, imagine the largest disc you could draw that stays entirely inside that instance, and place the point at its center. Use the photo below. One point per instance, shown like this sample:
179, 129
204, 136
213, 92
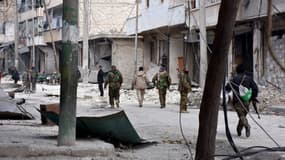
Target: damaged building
169, 34
107, 39
172, 36
6, 35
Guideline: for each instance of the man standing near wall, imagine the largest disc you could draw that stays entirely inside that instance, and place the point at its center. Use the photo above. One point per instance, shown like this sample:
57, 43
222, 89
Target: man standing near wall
100, 80
115, 80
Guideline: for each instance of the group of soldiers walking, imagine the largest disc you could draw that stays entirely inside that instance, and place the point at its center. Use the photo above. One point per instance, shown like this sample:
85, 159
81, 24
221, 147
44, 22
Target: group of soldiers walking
162, 82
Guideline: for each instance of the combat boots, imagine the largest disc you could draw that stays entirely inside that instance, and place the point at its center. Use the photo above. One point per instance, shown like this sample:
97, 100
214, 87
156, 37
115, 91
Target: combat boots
239, 128
247, 131
117, 103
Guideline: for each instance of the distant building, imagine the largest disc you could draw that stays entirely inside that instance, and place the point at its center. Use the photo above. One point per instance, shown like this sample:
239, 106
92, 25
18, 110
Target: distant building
108, 41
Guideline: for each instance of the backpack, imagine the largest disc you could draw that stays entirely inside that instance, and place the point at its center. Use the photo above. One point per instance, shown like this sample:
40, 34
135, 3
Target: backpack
244, 92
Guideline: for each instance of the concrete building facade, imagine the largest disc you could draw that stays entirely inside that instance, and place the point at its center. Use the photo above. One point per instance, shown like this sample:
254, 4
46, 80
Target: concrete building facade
108, 42
181, 34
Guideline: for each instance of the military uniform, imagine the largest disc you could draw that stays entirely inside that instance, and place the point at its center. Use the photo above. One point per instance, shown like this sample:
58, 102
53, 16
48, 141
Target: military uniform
162, 81
184, 87
242, 107
34, 75
115, 80
26, 82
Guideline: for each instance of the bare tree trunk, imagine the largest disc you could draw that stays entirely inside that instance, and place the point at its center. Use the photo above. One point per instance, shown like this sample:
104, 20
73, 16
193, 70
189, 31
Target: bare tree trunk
205, 148
68, 85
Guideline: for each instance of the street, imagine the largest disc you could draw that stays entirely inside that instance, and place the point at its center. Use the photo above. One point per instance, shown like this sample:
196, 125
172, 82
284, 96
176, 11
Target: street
151, 123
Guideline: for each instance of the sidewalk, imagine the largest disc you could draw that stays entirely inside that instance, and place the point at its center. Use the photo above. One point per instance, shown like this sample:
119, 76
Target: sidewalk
30, 139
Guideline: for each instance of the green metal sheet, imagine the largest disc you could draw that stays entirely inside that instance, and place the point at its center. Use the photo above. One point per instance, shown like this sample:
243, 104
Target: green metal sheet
113, 127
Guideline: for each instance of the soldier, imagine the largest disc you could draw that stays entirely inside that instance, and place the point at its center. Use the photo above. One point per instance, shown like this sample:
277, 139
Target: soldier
184, 87
15, 75
162, 81
240, 105
140, 84
34, 76
26, 81
100, 80
115, 80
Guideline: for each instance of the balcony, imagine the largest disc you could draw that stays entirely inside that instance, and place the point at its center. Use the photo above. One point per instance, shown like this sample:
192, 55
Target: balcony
212, 12
38, 40
153, 18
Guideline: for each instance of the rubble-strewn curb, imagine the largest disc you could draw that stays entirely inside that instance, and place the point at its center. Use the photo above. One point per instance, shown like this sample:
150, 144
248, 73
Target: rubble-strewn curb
81, 149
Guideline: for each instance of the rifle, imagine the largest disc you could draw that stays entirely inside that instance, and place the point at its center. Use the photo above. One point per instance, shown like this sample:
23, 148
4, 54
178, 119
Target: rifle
254, 101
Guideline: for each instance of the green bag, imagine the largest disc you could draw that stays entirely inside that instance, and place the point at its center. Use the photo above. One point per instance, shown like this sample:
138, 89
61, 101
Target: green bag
245, 93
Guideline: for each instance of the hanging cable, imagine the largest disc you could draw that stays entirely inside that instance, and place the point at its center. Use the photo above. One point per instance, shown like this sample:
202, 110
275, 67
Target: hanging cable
185, 139
250, 153
228, 133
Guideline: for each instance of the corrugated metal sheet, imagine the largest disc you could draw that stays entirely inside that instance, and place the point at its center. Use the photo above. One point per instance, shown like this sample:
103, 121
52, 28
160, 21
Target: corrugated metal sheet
114, 127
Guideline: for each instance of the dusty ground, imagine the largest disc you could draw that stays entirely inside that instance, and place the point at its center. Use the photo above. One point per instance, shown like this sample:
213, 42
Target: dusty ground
151, 122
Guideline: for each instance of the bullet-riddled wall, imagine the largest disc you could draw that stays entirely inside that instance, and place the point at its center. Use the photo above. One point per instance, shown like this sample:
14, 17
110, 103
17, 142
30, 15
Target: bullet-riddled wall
273, 72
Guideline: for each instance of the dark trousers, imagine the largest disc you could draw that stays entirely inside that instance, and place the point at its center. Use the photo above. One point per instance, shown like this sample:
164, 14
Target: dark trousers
100, 85
114, 94
162, 96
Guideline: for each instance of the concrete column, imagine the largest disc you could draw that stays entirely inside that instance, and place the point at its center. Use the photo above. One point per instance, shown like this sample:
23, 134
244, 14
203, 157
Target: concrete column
256, 51
230, 60
175, 51
203, 44
6, 61
85, 44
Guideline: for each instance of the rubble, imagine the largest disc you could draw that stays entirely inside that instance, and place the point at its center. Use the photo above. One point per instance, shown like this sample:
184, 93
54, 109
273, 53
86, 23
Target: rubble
11, 108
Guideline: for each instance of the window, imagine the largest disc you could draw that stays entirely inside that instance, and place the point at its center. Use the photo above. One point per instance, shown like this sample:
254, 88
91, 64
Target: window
147, 3
152, 52
2, 30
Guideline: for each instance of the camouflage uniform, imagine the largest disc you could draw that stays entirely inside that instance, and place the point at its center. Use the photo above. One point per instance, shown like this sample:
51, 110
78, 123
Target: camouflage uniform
184, 87
162, 81
115, 80
243, 122
26, 82
34, 76
242, 107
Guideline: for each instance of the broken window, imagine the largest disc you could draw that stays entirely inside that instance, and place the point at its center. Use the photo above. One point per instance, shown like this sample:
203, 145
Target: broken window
193, 4
147, 3
39, 3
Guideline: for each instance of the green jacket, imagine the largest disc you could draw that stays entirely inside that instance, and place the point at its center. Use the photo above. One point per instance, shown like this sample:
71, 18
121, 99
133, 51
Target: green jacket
184, 83
114, 79
161, 80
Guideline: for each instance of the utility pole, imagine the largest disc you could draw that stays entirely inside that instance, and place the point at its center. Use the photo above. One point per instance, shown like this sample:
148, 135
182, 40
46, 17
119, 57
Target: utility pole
51, 37
203, 44
69, 62
136, 36
85, 43
16, 37
33, 40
